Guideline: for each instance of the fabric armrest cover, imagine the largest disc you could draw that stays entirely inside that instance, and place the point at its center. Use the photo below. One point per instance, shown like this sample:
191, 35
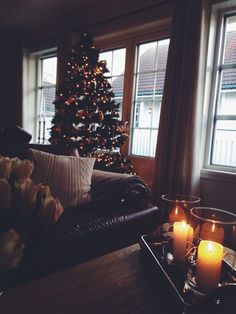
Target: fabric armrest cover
119, 190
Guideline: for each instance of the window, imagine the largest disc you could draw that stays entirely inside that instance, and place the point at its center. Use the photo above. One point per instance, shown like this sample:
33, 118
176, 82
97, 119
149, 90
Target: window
46, 92
137, 74
116, 65
149, 79
222, 133
40, 71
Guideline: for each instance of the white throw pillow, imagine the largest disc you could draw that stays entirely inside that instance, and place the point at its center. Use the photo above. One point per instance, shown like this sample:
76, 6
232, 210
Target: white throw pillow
68, 177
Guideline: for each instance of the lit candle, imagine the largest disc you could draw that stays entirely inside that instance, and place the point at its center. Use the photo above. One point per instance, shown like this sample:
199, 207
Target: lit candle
177, 214
209, 260
181, 232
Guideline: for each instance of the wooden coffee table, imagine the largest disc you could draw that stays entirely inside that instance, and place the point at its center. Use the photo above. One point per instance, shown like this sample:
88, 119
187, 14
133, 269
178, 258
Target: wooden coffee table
113, 283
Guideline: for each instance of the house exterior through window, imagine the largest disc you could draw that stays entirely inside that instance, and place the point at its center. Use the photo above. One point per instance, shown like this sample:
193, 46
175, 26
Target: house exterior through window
40, 76
221, 154
46, 95
115, 59
147, 81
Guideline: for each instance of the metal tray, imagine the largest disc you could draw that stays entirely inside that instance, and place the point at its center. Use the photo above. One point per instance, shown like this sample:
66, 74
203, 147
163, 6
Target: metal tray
172, 278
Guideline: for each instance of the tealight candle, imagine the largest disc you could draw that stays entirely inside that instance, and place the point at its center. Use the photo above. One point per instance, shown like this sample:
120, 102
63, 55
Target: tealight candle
209, 260
181, 232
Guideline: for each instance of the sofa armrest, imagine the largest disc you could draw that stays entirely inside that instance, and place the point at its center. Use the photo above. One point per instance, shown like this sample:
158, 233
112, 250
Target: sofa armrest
119, 190
14, 133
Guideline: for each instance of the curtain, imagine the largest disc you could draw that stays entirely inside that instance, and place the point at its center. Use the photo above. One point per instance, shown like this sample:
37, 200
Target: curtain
178, 158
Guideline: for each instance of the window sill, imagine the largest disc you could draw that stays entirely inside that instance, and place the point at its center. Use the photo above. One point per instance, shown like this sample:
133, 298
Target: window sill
216, 175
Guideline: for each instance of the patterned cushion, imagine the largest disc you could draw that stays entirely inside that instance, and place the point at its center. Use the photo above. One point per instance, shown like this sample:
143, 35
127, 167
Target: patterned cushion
68, 177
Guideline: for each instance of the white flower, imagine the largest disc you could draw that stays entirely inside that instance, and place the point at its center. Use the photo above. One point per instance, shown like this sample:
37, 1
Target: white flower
59, 209
27, 194
22, 168
51, 207
49, 211
5, 167
11, 250
5, 194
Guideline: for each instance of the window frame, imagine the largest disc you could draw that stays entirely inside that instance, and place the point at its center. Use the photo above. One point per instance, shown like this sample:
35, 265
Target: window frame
31, 82
129, 39
215, 54
136, 73
39, 88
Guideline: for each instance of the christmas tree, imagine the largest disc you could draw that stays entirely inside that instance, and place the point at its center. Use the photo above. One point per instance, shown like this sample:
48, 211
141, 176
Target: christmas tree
86, 114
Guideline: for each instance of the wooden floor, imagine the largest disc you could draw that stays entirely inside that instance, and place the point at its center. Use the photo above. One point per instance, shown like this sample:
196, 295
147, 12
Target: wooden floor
113, 283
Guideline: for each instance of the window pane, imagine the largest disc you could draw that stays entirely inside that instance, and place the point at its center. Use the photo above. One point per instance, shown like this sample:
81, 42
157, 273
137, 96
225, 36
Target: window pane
161, 66
149, 83
224, 144
156, 112
228, 79
144, 115
117, 84
147, 113
145, 84
223, 150
227, 103
46, 96
230, 41
108, 57
147, 57
49, 71
144, 142
118, 65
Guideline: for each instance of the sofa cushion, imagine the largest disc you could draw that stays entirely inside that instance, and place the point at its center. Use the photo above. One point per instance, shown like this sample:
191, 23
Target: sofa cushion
68, 177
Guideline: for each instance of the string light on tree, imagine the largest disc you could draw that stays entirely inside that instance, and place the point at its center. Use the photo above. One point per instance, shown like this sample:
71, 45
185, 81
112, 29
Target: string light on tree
86, 114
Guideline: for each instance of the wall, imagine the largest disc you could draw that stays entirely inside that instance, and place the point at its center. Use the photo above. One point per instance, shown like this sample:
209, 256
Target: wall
11, 54
218, 190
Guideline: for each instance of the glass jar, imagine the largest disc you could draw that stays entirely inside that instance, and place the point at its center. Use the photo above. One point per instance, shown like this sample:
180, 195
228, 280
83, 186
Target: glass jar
211, 257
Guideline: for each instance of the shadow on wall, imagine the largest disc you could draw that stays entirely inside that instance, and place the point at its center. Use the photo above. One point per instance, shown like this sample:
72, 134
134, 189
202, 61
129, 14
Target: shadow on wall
11, 54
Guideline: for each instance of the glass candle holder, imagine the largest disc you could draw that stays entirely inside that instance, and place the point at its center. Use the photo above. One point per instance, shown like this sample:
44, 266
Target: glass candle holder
175, 227
211, 256
176, 207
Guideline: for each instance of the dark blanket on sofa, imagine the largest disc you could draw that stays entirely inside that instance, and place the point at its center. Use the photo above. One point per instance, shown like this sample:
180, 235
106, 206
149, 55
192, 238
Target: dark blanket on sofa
127, 190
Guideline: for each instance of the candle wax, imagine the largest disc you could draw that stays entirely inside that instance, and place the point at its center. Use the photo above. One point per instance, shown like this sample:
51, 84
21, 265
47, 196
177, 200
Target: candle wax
181, 232
209, 260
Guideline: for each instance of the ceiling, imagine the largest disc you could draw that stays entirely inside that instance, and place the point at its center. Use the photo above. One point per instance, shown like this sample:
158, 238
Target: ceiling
31, 15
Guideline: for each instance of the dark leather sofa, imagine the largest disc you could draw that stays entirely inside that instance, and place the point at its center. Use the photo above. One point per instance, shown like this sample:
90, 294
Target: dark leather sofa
118, 213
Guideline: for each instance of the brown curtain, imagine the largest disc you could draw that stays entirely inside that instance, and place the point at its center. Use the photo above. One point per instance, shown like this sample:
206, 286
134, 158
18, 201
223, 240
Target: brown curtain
177, 162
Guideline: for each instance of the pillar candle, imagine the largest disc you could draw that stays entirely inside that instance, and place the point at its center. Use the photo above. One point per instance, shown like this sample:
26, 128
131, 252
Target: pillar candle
209, 260
180, 236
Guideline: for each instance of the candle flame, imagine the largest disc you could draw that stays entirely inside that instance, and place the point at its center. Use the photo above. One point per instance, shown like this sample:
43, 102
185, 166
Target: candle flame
176, 210
213, 228
209, 246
